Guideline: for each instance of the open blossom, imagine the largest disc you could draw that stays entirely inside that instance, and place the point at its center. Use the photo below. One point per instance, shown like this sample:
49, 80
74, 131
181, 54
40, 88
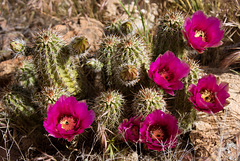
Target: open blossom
67, 118
208, 96
202, 32
159, 131
167, 71
130, 129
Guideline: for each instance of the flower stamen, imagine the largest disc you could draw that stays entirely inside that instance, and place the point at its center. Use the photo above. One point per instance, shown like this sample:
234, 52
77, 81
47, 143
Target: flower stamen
156, 133
166, 75
68, 123
207, 96
200, 33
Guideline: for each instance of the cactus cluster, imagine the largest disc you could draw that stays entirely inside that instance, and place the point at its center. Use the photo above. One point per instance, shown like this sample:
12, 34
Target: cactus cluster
48, 70
125, 58
113, 81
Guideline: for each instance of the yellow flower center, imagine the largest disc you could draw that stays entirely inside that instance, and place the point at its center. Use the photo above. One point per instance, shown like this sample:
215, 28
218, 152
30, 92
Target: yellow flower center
156, 133
68, 123
207, 96
200, 33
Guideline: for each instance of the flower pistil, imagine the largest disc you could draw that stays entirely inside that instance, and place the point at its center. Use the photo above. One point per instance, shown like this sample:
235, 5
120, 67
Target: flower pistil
156, 133
68, 123
200, 33
207, 96
166, 75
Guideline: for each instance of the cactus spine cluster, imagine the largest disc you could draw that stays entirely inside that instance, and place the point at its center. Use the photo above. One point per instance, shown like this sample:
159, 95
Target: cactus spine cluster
147, 100
109, 107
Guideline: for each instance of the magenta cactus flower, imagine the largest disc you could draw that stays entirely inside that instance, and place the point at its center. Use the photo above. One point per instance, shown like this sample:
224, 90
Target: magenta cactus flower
208, 96
130, 129
167, 71
67, 118
202, 32
159, 131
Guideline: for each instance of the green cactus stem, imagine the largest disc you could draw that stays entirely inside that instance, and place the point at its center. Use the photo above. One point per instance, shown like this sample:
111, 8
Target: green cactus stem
108, 108
94, 64
106, 52
147, 100
19, 102
49, 95
20, 48
183, 107
169, 36
26, 76
53, 64
132, 50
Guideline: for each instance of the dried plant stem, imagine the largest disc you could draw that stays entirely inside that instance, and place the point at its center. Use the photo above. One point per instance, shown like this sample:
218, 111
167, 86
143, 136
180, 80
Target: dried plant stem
56, 148
221, 126
8, 150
